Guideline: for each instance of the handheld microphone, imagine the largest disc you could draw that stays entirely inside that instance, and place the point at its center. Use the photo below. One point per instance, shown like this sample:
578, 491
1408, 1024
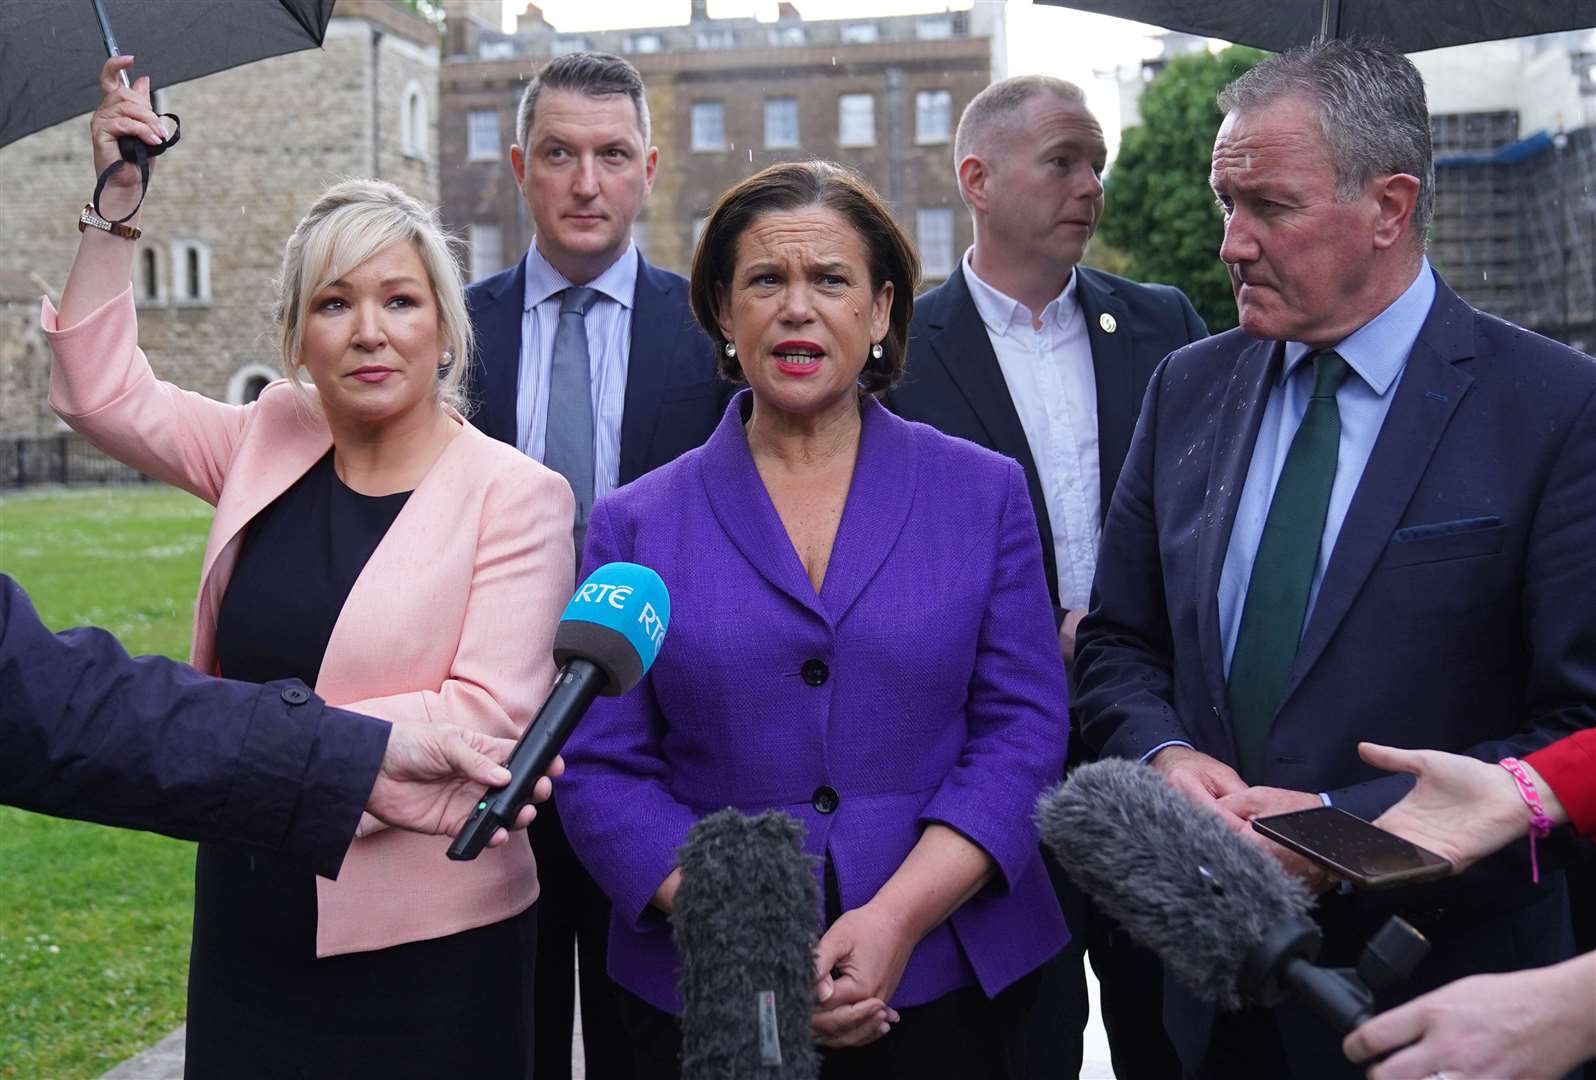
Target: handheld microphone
607, 640
745, 924
1224, 917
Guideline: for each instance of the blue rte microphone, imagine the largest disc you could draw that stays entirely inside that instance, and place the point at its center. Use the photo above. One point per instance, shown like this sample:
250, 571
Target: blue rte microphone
607, 640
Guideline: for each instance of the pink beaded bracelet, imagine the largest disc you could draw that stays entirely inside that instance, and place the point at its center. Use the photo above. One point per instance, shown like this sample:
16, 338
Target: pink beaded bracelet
1540, 825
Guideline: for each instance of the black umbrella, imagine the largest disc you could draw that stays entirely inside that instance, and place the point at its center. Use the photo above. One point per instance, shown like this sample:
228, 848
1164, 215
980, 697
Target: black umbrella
51, 51
1409, 25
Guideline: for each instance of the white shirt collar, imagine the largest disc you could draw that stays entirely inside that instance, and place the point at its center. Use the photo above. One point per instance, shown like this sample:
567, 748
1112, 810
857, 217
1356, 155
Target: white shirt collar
1000, 312
618, 281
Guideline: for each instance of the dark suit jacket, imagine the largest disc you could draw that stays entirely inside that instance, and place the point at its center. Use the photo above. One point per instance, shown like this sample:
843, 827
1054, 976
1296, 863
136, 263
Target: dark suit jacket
86, 732
954, 382
674, 398
1455, 612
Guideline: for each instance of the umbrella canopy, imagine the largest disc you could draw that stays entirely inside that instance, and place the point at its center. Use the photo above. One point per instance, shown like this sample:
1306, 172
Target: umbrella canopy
1409, 25
51, 52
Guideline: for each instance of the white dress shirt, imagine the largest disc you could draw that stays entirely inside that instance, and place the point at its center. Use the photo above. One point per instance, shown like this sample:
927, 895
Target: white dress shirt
1054, 389
609, 347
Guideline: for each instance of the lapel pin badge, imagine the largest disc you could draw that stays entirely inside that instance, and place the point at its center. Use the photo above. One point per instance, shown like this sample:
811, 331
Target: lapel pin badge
1106, 321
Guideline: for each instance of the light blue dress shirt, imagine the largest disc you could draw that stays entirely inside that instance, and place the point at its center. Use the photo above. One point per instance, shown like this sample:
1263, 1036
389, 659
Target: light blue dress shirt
609, 347
1377, 354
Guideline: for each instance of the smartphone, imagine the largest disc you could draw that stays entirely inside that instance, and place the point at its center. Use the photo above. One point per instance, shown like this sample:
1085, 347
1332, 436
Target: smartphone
1369, 857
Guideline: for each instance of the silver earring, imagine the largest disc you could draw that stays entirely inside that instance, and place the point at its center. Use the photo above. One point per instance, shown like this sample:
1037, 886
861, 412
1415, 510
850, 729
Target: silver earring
731, 350
875, 351
448, 357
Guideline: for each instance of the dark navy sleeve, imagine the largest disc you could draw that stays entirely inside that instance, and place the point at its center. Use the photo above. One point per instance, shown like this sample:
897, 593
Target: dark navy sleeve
149, 743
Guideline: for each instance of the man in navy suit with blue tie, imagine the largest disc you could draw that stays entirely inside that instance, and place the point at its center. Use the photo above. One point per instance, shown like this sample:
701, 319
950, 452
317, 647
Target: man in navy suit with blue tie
1366, 514
588, 359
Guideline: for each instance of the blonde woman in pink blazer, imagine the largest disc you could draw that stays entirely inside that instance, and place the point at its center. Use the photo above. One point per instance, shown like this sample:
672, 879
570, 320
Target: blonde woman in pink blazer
368, 541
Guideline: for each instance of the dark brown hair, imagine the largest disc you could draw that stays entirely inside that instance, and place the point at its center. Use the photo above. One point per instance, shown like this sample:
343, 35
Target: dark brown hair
795, 185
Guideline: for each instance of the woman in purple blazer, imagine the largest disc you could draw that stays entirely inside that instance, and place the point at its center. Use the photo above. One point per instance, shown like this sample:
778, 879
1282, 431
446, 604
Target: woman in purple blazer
860, 636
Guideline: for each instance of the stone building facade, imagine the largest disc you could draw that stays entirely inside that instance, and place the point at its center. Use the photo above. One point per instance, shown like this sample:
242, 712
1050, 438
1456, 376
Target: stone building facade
727, 98
260, 142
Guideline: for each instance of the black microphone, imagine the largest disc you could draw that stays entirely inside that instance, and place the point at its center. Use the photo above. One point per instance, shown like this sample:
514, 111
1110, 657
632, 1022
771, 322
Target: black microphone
607, 640
1224, 917
746, 923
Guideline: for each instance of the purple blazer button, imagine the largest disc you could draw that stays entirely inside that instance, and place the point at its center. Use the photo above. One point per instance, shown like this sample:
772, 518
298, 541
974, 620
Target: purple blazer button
815, 672
825, 799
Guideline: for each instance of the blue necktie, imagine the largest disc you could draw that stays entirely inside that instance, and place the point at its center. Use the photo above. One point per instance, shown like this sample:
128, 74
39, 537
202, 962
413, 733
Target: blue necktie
568, 439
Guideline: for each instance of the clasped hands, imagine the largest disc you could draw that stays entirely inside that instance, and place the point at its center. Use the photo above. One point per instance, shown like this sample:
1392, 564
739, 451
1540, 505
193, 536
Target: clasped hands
1215, 786
858, 964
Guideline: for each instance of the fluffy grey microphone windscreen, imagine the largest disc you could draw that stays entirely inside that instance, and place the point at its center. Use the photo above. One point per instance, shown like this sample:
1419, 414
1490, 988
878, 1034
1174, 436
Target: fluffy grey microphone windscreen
1178, 881
746, 922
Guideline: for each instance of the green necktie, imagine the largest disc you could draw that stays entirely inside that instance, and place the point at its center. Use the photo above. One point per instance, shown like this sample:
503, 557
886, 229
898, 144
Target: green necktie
1282, 571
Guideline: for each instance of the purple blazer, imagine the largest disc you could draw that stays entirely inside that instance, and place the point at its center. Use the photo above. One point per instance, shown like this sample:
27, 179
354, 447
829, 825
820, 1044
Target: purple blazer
923, 684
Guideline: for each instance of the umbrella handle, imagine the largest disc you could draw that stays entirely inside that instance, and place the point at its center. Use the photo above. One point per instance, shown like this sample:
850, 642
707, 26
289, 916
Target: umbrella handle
111, 48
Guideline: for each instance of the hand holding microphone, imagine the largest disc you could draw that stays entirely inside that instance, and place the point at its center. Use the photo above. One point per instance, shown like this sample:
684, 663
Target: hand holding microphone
607, 640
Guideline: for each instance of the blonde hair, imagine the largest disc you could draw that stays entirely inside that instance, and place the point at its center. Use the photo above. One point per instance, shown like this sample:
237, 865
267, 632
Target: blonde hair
351, 222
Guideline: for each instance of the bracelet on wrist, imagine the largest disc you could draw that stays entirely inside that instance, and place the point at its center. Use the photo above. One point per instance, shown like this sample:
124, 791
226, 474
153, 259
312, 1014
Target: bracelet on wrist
88, 219
1539, 824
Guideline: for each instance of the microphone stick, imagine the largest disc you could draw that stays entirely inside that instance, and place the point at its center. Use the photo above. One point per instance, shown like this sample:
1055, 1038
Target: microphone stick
607, 640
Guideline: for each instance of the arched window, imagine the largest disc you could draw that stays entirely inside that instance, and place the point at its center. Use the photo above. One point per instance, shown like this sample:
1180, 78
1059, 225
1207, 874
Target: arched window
191, 272
148, 287
413, 121
248, 381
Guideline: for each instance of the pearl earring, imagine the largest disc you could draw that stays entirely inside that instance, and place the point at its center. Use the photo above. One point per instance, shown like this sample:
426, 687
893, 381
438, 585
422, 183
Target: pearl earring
876, 351
731, 351
448, 357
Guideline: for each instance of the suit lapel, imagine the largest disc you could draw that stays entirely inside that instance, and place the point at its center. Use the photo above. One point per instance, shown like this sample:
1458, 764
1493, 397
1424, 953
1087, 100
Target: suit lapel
1240, 415
879, 497
1113, 371
498, 328
1430, 390
656, 325
746, 515
960, 344
290, 439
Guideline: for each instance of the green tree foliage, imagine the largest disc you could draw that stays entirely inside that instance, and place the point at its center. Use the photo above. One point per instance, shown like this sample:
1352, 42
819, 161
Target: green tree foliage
1160, 211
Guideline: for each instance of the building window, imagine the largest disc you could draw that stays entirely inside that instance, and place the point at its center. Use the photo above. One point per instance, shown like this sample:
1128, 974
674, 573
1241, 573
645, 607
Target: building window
860, 33
644, 43
487, 251
482, 135
496, 50
569, 43
718, 38
792, 34
934, 237
191, 272
856, 120
413, 122
781, 122
148, 287
934, 28
709, 125
245, 384
933, 116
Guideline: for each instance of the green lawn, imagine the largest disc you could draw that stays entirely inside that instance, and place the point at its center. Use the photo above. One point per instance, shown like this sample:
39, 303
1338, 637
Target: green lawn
94, 922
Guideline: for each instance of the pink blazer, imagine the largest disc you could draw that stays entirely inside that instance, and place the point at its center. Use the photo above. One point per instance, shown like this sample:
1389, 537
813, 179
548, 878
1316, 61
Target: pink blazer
451, 620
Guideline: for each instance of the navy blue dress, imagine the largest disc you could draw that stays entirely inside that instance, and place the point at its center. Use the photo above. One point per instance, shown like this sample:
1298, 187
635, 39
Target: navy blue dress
260, 1004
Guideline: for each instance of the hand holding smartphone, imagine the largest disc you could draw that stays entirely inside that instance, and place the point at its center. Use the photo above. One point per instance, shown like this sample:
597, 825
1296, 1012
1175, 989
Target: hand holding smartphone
1350, 847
